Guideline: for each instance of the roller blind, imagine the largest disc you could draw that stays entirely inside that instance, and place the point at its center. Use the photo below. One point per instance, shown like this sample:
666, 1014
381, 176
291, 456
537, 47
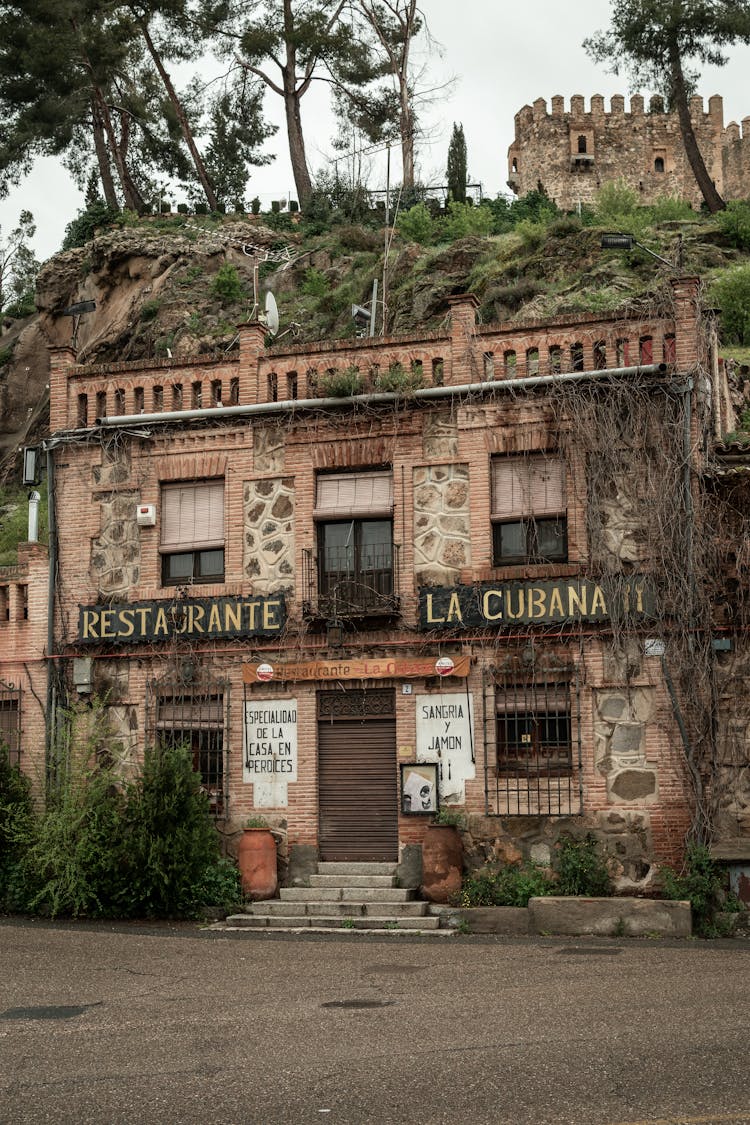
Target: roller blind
527, 486
346, 495
192, 515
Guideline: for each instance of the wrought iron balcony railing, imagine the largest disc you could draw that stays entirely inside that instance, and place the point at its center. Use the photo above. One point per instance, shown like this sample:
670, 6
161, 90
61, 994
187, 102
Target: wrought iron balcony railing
340, 582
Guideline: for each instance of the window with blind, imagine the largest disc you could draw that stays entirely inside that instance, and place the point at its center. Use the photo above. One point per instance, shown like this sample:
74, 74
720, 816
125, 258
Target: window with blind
354, 517
529, 519
192, 532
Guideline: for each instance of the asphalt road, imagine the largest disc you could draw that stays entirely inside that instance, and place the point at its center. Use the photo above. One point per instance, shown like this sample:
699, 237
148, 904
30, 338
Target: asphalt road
126, 1024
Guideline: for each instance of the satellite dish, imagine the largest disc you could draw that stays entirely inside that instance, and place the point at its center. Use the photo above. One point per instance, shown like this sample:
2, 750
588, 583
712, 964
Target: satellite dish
272, 314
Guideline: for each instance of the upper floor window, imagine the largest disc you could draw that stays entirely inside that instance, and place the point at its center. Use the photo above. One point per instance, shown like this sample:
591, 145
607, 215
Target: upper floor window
192, 532
582, 143
529, 518
354, 515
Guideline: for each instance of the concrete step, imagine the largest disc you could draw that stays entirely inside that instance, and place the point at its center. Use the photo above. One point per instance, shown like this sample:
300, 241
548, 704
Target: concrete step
356, 868
346, 894
352, 880
278, 909
322, 922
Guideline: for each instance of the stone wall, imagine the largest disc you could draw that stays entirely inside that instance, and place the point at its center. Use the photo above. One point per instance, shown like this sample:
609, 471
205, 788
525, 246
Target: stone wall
442, 545
269, 534
116, 551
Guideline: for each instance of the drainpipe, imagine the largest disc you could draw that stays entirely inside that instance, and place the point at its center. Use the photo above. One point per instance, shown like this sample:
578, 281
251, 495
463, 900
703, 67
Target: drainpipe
381, 398
51, 746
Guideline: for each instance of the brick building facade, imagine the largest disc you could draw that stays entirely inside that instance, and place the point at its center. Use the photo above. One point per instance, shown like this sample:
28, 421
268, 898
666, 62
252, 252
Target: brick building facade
23, 673
352, 608
571, 153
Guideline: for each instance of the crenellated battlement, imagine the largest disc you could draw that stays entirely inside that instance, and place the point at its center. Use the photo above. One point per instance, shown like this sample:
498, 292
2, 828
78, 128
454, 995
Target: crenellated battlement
573, 147
596, 109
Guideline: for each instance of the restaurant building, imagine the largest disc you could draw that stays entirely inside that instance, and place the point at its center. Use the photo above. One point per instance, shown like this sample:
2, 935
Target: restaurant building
355, 608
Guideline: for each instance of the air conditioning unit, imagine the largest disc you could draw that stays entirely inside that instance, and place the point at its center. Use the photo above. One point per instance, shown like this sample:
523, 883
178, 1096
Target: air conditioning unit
146, 515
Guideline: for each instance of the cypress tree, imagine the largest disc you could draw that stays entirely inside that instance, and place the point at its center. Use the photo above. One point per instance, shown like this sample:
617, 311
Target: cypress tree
456, 171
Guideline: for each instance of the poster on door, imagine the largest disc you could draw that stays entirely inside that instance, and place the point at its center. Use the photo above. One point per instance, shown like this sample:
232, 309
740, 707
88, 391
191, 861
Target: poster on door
270, 750
445, 735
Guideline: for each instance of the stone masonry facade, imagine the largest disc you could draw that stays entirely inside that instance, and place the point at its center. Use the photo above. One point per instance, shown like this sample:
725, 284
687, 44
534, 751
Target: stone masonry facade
571, 152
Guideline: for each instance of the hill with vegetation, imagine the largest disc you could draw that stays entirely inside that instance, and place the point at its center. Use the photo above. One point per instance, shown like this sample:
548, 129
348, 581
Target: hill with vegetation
178, 284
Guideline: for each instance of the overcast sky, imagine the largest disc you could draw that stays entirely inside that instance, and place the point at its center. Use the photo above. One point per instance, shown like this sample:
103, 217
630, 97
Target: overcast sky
502, 55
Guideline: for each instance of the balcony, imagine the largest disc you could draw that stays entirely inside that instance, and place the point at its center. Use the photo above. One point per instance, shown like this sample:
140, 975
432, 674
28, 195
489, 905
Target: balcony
341, 582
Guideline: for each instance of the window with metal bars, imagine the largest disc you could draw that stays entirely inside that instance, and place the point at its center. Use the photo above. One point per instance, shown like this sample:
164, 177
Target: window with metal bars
10, 722
533, 727
196, 721
529, 518
533, 731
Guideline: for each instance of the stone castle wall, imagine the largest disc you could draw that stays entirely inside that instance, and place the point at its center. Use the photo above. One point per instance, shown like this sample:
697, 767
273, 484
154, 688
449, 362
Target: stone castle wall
572, 152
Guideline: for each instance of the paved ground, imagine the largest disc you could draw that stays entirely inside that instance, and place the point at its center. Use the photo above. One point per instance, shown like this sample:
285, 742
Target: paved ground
129, 1024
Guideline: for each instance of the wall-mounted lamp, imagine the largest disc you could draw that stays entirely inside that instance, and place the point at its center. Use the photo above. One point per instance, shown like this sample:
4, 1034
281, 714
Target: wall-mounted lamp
617, 240
335, 633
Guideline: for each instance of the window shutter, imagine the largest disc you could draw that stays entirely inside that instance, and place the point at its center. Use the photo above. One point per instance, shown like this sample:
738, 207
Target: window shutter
526, 486
546, 487
346, 495
193, 516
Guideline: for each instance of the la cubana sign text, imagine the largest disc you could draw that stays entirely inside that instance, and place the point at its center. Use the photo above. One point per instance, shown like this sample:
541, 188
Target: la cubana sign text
506, 604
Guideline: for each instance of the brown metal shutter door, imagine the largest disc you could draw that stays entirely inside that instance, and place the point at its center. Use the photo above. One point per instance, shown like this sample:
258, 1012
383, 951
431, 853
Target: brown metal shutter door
358, 790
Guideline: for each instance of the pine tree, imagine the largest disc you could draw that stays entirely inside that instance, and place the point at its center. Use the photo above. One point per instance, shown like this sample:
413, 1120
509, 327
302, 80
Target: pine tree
655, 42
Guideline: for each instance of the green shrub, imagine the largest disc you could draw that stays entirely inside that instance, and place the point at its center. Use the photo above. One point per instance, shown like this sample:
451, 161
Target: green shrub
16, 822
731, 292
74, 859
531, 232
397, 380
535, 205
182, 209
227, 284
255, 205
150, 310
341, 384
24, 305
670, 208
172, 842
464, 220
315, 283
506, 886
615, 199
417, 224
734, 223
220, 887
293, 206
81, 230
105, 849
201, 208
701, 884
581, 869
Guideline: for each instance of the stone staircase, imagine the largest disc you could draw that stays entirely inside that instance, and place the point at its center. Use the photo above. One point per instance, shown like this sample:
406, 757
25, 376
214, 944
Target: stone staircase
341, 896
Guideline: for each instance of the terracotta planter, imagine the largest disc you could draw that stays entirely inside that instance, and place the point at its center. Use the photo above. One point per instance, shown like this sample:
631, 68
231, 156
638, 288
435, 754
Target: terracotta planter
256, 859
442, 862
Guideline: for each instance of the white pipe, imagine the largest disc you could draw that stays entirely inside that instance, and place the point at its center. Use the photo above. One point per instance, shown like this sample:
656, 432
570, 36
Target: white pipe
381, 398
34, 498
